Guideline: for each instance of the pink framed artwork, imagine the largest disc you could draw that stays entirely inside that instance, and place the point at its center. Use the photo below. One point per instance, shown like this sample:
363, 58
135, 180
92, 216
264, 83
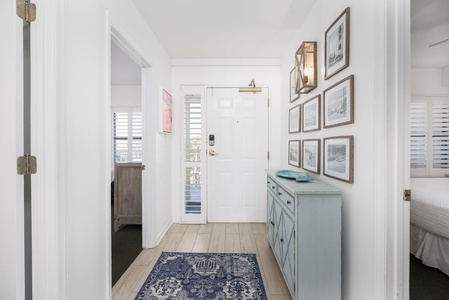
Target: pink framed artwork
166, 112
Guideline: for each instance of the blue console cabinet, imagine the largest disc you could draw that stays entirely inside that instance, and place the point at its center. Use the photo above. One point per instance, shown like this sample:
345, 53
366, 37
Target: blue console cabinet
304, 231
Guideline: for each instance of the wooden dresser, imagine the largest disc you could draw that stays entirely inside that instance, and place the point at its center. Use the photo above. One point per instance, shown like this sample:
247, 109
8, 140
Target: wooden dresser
304, 231
127, 194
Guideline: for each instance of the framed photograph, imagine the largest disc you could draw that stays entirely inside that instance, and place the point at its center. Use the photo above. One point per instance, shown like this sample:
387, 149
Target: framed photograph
293, 95
336, 49
338, 159
294, 119
338, 103
311, 112
294, 153
166, 111
311, 155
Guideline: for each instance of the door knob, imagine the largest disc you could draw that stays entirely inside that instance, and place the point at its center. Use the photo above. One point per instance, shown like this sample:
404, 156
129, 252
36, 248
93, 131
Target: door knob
143, 167
212, 153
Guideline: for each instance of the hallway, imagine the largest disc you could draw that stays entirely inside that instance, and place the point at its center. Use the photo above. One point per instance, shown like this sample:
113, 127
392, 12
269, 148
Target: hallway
213, 238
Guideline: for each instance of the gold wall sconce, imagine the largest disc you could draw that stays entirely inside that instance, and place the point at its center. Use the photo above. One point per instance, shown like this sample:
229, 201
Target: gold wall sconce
252, 89
306, 69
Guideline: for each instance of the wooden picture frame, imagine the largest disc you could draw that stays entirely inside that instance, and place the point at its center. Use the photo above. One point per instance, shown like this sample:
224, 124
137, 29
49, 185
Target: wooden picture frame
338, 158
294, 153
311, 114
311, 155
336, 49
293, 95
338, 103
294, 119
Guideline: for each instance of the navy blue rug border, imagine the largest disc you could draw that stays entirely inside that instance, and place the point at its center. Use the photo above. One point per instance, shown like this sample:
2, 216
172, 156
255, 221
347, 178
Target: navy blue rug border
251, 256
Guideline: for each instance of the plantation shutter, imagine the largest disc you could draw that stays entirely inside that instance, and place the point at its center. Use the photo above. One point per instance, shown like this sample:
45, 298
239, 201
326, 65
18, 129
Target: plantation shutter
136, 147
429, 136
418, 128
120, 145
192, 154
440, 135
127, 136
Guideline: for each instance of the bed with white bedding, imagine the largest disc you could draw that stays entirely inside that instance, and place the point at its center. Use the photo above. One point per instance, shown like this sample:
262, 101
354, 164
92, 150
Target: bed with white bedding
429, 218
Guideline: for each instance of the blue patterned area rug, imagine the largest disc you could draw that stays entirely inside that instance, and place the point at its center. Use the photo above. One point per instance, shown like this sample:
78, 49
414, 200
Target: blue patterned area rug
196, 276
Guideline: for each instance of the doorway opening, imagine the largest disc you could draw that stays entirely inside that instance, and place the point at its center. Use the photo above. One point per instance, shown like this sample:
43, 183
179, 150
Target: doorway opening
225, 154
429, 149
130, 90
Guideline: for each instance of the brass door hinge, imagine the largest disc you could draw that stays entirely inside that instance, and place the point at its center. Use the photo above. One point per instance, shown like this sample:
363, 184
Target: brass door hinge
407, 195
268, 102
26, 10
26, 165
268, 155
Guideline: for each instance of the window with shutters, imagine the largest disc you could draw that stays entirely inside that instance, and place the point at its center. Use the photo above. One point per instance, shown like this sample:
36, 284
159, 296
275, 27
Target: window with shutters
192, 154
429, 142
127, 135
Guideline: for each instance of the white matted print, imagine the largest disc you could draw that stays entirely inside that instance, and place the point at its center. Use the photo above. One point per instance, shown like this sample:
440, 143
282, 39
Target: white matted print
338, 103
294, 119
338, 159
337, 45
311, 155
311, 114
294, 153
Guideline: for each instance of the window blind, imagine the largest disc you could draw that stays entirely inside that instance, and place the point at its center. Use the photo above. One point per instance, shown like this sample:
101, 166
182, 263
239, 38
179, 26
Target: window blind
192, 154
127, 136
429, 132
418, 128
440, 135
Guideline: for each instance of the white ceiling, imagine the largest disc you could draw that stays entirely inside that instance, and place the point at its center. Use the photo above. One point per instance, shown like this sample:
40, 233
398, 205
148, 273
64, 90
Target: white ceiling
190, 29
224, 29
430, 24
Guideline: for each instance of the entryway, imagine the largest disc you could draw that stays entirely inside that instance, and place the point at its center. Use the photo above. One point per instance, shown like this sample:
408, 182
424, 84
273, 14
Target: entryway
225, 153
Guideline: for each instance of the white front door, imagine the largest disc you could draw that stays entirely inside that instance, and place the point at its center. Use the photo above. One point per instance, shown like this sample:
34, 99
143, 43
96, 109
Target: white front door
238, 123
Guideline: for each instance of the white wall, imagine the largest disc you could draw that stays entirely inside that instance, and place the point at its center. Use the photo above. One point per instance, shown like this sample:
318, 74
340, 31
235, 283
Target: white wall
126, 95
234, 73
83, 64
358, 210
445, 77
430, 81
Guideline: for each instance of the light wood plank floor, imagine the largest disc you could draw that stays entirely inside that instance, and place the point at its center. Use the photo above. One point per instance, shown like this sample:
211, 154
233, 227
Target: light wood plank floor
215, 237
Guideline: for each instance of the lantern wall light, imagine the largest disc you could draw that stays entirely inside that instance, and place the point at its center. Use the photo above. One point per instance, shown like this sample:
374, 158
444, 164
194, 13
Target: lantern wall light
306, 69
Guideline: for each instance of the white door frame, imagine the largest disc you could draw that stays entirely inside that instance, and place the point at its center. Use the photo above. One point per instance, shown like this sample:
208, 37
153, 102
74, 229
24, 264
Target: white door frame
149, 114
392, 213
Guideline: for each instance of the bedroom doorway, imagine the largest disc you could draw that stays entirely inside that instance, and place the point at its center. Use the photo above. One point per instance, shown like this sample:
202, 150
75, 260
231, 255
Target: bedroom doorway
130, 91
428, 148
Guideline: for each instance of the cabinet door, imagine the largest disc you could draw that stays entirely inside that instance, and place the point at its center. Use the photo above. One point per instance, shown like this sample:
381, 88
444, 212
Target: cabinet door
288, 251
278, 220
270, 217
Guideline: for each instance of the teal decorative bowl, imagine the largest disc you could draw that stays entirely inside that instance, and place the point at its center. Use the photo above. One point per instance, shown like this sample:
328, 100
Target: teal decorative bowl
298, 176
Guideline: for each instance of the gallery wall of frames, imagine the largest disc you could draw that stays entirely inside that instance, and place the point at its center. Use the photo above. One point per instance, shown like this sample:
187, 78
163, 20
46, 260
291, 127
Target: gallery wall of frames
332, 107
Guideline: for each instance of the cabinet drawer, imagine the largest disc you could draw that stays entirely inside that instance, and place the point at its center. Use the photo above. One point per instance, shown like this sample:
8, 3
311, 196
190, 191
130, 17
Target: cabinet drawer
272, 186
286, 198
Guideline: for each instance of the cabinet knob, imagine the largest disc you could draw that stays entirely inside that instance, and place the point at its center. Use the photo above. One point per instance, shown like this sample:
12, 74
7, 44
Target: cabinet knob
280, 194
282, 240
273, 187
272, 223
289, 202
